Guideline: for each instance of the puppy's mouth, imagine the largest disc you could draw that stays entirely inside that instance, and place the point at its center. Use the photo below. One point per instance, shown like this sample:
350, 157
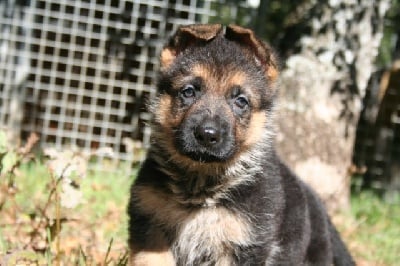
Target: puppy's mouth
207, 141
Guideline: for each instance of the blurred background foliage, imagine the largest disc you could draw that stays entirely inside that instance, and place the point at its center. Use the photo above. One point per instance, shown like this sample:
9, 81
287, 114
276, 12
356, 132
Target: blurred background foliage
284, 22
389, 50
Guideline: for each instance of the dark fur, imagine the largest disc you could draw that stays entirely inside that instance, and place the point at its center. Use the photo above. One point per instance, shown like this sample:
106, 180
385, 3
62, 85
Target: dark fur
212, 190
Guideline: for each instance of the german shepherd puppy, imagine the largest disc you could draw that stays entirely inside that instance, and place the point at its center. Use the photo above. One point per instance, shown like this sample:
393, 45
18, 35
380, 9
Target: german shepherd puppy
212, 190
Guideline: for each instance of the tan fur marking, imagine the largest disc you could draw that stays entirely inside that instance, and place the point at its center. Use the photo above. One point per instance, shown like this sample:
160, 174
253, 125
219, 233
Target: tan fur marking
151, 258
216, 82
166, 58
162, 206
164, 115
256, 129
164, 109
238, 78
157, 253
203, 72
272, 73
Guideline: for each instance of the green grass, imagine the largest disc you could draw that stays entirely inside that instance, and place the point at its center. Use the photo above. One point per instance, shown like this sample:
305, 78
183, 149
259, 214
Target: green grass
377, 232
105, 193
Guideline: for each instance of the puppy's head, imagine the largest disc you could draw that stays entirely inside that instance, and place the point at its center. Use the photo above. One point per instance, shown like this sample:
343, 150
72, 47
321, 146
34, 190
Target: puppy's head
215, 93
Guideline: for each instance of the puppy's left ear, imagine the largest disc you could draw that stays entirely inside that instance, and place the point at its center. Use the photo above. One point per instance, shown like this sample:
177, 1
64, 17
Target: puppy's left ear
264, 55
186, 37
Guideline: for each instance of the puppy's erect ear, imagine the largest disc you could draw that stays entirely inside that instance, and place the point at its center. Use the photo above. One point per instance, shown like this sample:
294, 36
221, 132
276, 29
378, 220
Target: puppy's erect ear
187, 36
262, 52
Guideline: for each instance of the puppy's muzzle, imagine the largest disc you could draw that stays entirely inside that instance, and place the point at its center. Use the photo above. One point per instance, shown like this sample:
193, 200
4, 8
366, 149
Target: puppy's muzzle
206, 138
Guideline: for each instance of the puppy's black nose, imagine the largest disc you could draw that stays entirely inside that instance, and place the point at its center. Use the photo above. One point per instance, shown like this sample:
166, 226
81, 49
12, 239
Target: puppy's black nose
208, 134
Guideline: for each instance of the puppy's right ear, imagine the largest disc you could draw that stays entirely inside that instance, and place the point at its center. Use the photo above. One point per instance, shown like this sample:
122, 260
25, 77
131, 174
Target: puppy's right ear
260, 50
186, 36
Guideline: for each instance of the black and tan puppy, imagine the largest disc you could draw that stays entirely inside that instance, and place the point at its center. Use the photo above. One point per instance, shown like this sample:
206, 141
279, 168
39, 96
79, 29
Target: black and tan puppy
212, 190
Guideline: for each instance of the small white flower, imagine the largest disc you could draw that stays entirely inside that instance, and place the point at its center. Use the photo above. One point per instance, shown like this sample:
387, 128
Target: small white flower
104, 152
70, 196
66, 163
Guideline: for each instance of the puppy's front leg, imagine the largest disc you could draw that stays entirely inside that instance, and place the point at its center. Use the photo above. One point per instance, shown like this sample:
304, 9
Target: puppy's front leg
151, 250
151, 257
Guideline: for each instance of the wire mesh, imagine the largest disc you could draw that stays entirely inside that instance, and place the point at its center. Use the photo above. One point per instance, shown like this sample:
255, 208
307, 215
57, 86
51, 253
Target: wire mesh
79, 72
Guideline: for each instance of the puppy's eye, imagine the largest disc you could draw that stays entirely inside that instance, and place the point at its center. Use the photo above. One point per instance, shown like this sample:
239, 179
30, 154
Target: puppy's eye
188, 91
241, 102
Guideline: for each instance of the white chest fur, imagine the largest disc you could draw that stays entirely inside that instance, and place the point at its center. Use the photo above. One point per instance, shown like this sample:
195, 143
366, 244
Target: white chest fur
210, 233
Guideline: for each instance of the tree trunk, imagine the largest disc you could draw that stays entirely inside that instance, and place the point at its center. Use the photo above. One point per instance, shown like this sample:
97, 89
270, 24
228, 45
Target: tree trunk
322, 89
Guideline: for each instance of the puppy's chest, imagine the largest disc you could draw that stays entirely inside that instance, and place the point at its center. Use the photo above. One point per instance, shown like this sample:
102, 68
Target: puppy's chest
209, 236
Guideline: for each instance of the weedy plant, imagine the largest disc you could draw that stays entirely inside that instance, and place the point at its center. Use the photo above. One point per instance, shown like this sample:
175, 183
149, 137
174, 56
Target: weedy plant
35, 210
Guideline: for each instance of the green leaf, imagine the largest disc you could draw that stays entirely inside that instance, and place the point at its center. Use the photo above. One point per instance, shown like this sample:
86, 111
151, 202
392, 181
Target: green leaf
9, 160
3, 142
